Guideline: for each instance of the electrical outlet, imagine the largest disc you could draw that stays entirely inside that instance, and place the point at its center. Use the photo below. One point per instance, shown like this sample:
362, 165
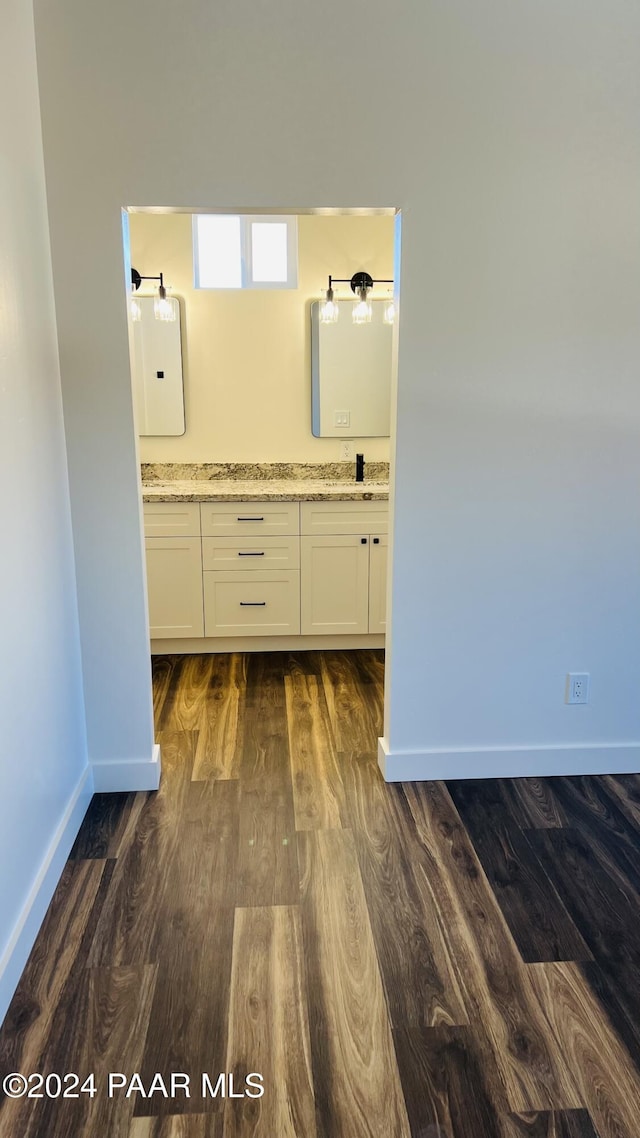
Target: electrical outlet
346, 450
577, 687
342, 418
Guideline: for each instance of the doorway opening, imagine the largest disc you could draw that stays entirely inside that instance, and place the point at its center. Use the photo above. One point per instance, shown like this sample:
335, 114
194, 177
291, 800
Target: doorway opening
262, 347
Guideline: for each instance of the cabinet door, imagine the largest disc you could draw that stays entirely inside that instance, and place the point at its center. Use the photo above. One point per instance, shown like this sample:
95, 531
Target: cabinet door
378, 583
334, 584
174, 585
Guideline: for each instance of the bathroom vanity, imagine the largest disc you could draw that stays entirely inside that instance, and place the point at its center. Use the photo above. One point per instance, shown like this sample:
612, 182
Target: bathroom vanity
259, 565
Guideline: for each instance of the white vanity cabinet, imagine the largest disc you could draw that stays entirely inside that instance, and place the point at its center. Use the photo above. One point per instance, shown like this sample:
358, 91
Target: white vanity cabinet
251, 568
230, 574
343, 551
174, 570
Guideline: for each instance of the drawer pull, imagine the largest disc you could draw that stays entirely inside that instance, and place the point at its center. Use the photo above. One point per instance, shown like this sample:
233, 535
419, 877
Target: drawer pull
252, 604
363, 541
250, 554
376, 541
250, 519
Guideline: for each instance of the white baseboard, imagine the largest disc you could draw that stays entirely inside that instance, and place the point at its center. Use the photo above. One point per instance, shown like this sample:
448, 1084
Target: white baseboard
133, 774
35, 907
508, 762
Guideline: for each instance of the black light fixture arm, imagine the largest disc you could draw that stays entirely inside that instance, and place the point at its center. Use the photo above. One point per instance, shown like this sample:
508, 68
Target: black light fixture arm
137, 279
359, 281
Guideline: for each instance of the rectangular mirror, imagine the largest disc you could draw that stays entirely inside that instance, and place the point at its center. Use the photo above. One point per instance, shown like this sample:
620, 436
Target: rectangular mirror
156, 369
351, 374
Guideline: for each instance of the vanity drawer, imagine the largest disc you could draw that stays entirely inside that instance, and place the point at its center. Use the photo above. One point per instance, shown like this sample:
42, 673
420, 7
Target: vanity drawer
171, 519
251, 604
343, 518
243, 553
246, 519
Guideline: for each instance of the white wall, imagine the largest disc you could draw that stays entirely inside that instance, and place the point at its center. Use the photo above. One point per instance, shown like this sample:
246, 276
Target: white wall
507, 133
247, 353
44, 783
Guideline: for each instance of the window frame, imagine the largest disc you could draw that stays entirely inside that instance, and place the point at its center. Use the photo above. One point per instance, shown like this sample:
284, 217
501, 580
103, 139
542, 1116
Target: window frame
246, 259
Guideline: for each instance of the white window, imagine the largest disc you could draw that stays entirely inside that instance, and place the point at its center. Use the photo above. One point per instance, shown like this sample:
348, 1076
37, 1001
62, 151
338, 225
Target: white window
242, 251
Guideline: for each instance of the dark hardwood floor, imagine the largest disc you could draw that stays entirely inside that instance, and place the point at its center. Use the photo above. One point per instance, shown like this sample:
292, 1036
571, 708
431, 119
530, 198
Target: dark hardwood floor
424, 960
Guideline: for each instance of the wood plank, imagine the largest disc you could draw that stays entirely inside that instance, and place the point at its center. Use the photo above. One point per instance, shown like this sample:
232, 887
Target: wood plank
318, 789
535, 914
128, 931
180, 1126
268, 1027
219, 749
446, 1083
420, 979
370, 664
98, 1028
595, 812
184, 707
608, 1082
163, 671
307, 663
626, 788
265, 681
108, 826
354, 708
533, 804
599, 896
616, 983
169, 692
550, 1124
188, 1021
500, 1001
370, 671
356, 1080
268, 859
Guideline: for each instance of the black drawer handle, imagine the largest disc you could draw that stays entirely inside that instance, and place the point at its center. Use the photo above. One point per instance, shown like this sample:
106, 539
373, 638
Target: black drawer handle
250, 519
250, 554
363, 541
252, 604
376, 541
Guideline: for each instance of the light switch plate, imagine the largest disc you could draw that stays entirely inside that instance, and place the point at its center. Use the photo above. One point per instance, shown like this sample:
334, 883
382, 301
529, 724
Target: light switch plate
342, 418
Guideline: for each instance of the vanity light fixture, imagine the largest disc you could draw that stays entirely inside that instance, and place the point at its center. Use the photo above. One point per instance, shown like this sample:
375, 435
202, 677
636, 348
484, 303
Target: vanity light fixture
134, 308
362, 310
361, 284
389, 314
162, 308
329, 310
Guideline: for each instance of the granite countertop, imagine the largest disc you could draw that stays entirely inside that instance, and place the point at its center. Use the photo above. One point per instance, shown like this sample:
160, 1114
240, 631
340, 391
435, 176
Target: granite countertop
262, 490
263, 482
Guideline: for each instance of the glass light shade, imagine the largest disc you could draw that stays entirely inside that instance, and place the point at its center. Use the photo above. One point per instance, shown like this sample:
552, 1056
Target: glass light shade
329, 311
163, 309
389, 313
135, 310
362, 311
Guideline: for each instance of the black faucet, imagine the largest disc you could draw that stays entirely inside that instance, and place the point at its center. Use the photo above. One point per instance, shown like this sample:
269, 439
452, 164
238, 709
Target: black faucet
359, 468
